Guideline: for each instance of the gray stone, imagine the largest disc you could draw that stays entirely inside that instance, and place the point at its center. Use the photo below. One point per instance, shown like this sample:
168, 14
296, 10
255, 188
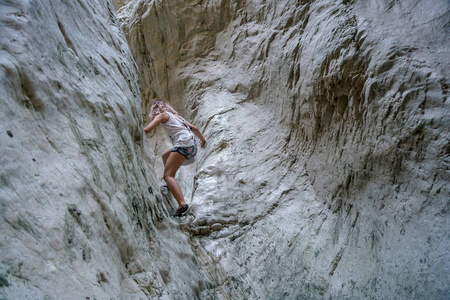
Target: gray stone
327, 126
216, 226
77, 219
325, 173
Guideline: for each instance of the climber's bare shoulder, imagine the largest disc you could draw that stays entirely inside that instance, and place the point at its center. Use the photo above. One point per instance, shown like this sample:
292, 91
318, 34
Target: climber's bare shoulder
161, 118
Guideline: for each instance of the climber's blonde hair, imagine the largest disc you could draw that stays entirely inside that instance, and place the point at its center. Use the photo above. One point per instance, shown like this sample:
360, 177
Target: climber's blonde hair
159, 107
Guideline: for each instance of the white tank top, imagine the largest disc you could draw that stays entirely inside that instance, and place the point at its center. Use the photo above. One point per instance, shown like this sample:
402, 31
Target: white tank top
178, 131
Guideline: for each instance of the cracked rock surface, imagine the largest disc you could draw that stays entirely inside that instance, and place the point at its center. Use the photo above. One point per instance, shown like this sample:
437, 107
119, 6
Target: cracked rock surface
81, 212
325, 175
327, 168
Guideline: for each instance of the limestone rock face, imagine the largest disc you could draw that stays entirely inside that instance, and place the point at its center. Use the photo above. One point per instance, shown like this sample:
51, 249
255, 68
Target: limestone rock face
325, 175
81, 212
120, 3
327, 166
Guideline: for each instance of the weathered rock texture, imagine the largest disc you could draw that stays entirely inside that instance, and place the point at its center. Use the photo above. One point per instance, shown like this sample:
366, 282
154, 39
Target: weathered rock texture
326, 174
326, 169
120, 3
81, 212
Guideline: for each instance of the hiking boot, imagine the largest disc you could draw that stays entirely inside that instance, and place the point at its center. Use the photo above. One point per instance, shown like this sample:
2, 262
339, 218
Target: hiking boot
181, 211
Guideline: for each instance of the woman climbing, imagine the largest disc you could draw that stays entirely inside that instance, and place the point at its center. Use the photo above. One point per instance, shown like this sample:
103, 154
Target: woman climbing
184, 146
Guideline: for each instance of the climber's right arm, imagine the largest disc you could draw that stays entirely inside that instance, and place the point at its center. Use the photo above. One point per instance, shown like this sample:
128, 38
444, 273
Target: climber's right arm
164, 117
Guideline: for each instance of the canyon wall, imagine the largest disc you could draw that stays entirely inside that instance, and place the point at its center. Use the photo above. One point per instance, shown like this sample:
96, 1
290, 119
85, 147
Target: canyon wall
325, 173
81, 212
326, 170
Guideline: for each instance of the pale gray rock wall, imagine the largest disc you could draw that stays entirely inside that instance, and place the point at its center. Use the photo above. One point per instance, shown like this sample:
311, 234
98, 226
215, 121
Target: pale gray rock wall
81, 213
326, 170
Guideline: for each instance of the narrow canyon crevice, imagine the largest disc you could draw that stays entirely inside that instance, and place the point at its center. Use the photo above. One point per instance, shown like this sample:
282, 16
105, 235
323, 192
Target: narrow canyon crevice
325, 175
